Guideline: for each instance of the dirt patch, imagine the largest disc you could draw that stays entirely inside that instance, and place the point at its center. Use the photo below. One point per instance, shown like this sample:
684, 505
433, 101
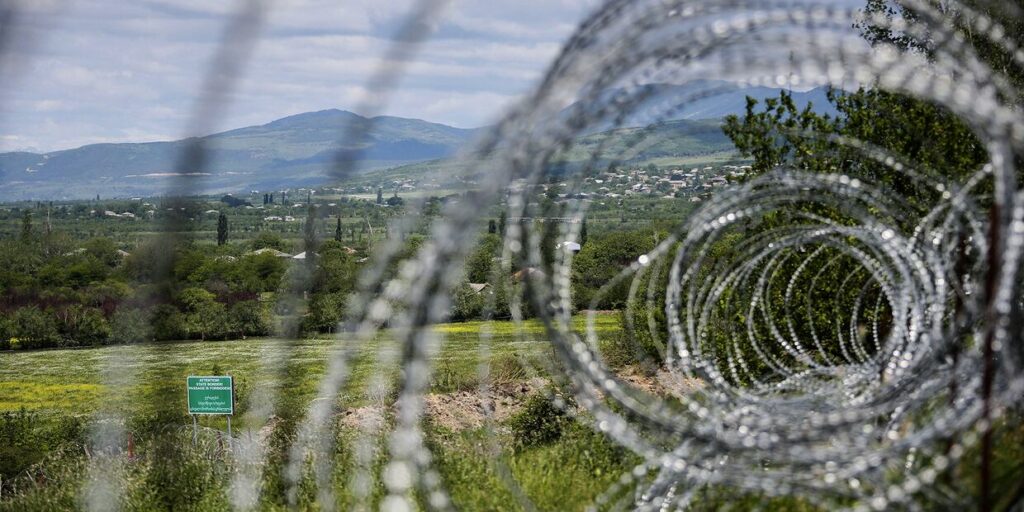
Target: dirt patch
267, 430
457, 411
370, 417
464, 410
470, 409
662, 383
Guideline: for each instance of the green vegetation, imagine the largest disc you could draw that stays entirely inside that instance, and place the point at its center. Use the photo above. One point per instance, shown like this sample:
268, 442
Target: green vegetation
48, 396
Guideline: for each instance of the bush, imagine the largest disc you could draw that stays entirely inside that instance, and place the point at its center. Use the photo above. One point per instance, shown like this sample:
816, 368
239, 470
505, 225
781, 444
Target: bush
268, 240
25, 439
168, 323
6, 333
507, 369
91, 328
540, 422
467, 304
35, 328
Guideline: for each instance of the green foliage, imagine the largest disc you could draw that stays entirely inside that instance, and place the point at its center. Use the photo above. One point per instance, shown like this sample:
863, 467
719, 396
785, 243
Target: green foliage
270, 240
250, 318
26, 226
130, 325
83, 326
310, 242
541, 421
34, 328
203, 315
222, 229
395, 201
601, 259
325, 310
929, 137
481, 262
168, 323
256, 273
467, 303
337, 270
26, 438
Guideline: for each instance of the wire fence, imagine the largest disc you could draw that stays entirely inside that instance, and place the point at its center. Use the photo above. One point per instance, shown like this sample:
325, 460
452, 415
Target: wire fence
917, 365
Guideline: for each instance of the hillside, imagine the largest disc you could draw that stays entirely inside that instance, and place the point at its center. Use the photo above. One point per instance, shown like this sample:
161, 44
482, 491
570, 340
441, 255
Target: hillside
285, 152
296, 150
679, 142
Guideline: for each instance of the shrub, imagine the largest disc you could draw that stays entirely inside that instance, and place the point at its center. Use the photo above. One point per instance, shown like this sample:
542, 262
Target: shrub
25, 439
467, 304
540, 422
91, 328
35, 328
507, 369
6, 333
204, 316
168, 323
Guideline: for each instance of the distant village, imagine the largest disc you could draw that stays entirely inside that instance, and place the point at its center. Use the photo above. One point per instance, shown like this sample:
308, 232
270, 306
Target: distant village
670, 183
288, 205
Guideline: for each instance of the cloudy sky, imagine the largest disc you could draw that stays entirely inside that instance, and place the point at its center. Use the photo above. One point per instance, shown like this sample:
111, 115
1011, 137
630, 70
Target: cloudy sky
86, 71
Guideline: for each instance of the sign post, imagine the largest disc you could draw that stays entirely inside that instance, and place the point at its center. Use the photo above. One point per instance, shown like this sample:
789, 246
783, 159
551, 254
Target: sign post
210, 395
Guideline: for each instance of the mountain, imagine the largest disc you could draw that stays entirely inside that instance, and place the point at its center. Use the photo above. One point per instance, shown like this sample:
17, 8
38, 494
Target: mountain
295, 150
677, 143
286, 152
697, 100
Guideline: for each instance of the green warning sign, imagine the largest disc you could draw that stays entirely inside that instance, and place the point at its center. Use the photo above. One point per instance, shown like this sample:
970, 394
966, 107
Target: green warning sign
211, 395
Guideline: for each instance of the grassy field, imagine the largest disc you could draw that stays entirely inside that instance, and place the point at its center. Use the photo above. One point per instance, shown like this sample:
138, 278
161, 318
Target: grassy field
54, 387
50, 402
71, 381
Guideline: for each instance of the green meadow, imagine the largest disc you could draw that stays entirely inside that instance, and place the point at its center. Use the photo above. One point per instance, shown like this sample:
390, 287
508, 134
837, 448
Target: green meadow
51, 397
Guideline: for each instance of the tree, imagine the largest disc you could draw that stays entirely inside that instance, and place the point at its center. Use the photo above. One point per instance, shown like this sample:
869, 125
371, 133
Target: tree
310, 232
601, 260
467, 304
936, 141
34, 328
338, 231
222, 228
337, 270
26, 226
502, 220
250, 318
583, 233
325, 311
380, 195
86, 326
492, 227
395, 200
204, 316
480, 263
268, 240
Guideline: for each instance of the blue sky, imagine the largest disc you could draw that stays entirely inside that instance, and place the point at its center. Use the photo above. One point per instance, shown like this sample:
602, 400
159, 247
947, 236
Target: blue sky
87, 71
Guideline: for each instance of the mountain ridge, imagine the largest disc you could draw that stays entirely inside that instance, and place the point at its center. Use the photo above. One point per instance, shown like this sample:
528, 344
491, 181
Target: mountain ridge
294, 150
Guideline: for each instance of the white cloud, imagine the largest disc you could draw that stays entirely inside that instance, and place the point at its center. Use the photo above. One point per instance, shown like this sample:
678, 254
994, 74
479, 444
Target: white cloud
129, 70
